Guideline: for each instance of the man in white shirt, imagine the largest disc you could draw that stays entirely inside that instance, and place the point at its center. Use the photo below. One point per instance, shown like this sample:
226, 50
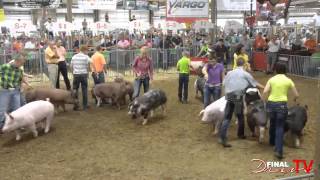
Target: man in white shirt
49, 27
273, 49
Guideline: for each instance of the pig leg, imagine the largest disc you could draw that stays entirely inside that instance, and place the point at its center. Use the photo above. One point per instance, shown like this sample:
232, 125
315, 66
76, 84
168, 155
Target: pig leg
216, 128
48, 123
63, 107
145, 119
18, 135
98, 101
297, 141
261, 134
33, 129
151, 113
163, 108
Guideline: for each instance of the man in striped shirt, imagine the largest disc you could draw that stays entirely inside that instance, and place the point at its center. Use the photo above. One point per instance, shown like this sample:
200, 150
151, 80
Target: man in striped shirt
80, 69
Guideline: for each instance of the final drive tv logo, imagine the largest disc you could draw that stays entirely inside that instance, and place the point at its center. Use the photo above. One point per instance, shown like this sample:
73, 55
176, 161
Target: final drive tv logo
296, 166
175, 4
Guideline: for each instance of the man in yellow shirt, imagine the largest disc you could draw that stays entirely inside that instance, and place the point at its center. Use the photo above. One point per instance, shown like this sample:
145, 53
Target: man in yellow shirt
52, 57
98, 66
277, 88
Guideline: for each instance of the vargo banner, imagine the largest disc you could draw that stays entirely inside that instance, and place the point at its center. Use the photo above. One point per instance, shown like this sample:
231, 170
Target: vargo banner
187, 11
97, 4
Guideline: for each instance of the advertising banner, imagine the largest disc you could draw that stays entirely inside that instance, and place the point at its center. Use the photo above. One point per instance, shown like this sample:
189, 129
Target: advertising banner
236, 5
97, 4
187, 10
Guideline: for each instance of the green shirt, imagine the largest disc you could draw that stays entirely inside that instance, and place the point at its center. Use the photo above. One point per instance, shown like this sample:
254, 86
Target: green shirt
204, 48
280, 84
184, 65
10, 76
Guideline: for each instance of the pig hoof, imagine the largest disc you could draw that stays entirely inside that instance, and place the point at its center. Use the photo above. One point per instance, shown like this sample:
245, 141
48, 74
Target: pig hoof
144, 122
18, 138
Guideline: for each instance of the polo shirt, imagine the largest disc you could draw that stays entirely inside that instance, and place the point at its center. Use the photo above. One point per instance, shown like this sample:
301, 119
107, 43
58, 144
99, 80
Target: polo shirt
280, 84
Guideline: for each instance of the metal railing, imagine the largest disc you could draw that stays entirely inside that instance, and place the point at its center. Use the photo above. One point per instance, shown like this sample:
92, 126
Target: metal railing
118, 61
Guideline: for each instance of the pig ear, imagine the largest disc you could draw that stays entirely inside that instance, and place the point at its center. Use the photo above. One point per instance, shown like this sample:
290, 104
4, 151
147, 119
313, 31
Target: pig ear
10, 116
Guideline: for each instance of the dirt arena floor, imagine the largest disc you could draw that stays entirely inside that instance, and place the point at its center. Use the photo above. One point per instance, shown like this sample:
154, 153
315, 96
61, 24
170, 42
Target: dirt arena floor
104, 143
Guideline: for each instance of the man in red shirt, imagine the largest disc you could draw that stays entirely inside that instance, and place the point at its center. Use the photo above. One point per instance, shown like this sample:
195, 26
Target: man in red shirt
259, 43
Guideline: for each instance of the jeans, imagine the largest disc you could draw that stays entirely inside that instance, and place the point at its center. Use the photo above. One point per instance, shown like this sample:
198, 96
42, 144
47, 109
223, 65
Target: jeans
53, 74
83, 80
137, 85
278, 112
98, 78
227, 119
183, 86
62, 68
211, 91
10, 100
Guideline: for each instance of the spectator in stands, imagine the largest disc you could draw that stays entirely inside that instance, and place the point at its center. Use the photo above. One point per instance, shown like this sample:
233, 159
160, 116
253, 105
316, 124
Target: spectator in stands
310, 44
98, 66
277, 91
259, 43
245, 41
80, 66
123, 43
62, 66
30, 44
273, 49
17, 45
143, 70
222, 52
52, 57
285, 44
241, 53
184, 66
176, 41
76, 43
84, 26
214, 75
204, 50
139, 42
148, 42
49, 28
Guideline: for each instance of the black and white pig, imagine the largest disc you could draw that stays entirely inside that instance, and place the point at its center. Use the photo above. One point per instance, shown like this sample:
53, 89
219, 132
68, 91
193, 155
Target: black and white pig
200, 82
144, 105
256, 113
296, 121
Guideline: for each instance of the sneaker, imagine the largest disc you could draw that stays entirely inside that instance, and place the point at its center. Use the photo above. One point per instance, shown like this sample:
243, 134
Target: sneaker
278, 155
224, 143
242, 137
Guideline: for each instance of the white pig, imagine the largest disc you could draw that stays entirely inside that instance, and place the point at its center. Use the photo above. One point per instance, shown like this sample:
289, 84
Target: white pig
27, 116
214, 113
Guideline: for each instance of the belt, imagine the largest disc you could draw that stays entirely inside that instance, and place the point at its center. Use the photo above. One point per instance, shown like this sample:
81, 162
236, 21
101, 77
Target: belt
213, 85
52, 63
